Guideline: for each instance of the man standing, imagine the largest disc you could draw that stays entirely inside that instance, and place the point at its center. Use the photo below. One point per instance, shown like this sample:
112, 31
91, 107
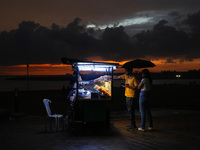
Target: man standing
130, 86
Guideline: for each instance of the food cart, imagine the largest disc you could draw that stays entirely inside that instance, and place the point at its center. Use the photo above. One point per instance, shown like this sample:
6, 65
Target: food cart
91, 90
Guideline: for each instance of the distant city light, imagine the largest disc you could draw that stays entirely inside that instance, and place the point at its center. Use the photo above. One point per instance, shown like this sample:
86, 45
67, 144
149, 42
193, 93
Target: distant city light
178, 76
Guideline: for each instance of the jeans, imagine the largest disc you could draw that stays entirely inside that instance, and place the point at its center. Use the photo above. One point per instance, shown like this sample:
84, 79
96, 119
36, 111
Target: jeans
144, 105
130, 104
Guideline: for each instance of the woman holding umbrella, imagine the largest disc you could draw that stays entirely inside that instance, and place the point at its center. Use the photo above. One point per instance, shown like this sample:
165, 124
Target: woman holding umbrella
144, 100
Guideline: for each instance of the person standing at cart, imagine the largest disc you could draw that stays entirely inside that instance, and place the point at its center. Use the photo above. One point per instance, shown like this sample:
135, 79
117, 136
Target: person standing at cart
130, 86
144, 100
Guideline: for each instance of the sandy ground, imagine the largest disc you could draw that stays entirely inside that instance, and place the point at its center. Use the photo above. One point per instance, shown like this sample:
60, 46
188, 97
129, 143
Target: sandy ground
173, 130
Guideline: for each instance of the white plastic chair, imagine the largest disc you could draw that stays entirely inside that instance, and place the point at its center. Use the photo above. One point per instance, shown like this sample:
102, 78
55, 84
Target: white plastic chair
50, 116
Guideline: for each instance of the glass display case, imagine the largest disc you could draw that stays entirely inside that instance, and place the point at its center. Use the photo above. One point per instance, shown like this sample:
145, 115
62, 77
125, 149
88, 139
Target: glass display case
95, 81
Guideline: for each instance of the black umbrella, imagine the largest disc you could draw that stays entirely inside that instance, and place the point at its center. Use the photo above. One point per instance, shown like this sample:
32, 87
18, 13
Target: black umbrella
138, 63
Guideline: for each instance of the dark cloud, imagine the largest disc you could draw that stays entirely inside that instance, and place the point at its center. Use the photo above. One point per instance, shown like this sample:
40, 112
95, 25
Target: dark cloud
36, 44
174, 14
163, 41
193, 22
101, 12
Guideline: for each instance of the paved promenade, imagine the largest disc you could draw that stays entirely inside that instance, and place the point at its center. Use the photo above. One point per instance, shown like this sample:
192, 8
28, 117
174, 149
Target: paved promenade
173, 130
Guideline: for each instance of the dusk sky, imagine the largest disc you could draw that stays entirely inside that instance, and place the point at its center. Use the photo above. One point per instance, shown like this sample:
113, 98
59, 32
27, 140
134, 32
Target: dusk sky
41, 32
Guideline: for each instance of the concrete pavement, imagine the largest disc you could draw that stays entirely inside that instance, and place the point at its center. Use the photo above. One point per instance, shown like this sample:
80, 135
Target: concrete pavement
173, 130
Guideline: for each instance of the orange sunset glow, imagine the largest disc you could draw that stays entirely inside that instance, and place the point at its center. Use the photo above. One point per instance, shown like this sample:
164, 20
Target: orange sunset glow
62, 69
42, 33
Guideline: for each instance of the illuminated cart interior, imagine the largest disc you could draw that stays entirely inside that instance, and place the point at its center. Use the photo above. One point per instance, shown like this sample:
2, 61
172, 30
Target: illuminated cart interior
95, 81
91, 91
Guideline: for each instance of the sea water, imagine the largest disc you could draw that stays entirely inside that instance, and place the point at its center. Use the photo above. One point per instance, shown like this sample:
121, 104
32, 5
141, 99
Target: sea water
23, 85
